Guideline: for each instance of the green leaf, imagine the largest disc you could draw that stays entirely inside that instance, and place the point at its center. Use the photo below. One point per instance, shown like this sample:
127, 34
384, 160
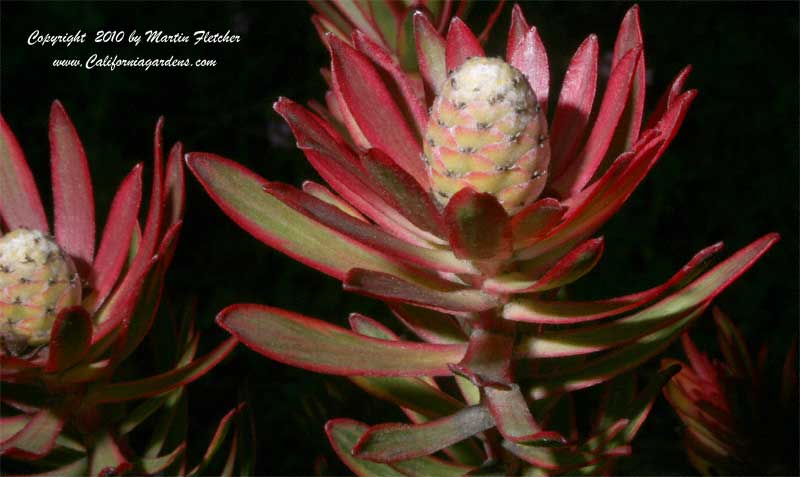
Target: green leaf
345, 433
156, 465
388, 443
240, 194
319, 346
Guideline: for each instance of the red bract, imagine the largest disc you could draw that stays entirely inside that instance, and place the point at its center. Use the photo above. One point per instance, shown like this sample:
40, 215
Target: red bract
738, 421
472, 274
63, 382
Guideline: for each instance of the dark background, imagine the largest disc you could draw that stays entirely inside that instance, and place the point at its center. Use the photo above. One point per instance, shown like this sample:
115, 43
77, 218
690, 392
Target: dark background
731, 174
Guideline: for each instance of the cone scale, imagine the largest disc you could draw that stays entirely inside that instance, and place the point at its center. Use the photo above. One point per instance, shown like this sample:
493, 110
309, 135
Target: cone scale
487, 132
37, 280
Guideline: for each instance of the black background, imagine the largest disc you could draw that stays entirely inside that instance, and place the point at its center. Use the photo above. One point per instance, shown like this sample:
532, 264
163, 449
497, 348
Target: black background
731, 174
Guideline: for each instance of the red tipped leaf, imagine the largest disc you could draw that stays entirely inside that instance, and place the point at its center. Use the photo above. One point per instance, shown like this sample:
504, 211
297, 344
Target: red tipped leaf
116, 239
536, 310
367, 234
430, 52
461, 44
438, 296
73, 197
578, 173
388, 443
578, 262
530, 57
574, 106
20, 204
315, 345
374, 108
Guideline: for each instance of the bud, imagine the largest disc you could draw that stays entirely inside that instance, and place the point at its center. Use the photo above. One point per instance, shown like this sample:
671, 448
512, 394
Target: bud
486, 131
37, 280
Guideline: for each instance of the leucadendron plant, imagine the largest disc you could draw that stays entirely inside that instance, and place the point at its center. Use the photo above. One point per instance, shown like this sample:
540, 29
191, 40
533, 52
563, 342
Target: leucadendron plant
456, 197
740, 419
70, 315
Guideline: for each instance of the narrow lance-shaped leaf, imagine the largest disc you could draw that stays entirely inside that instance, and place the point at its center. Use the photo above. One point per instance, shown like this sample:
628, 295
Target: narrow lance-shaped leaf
116, 239
535, 310
73, 196
573, 266
580, 172
695, 296
430, 51
388, 443
461, 44
319, 346
239, 192
37, 438
437, 295
530, 57
365, 233
574, 106
20, 203
374, 108
161, 383
403, 192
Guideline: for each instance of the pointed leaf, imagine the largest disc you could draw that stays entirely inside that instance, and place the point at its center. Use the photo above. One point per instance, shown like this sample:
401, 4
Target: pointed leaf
430, 51
20, 204
577, 174
601, 200
343, 435
411, 94
388, 443
372, 237
574, 106
157, 465
116, 239
404, 193
673, 308
323, 193
669, 97
438, 296
174, 187
518, 29
338, 165
217, 440
73, 197
161, 383
478, 226
431, 326
69, 339
530, 57
577, 263
319, 346
240, 194
374, 108
535, 310
36, 439
461, 44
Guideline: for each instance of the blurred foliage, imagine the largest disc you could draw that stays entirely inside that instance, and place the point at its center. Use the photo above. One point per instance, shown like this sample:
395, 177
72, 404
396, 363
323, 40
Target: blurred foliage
732, 174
